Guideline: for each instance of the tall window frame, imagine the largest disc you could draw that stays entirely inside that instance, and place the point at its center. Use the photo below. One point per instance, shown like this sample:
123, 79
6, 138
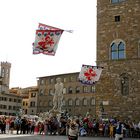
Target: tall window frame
51, 80
70, 102
41, 92
3, 72
93, 89
118, 50
77, 102
84, 102
85, 89
42, 81
70, 90
92, 101
78, 89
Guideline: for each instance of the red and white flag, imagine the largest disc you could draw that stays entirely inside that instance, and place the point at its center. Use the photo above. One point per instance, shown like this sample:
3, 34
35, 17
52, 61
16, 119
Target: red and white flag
90, 74
46, 39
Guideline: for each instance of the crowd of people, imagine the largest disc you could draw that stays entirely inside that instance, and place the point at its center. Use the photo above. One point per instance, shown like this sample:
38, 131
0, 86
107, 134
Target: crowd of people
72, 127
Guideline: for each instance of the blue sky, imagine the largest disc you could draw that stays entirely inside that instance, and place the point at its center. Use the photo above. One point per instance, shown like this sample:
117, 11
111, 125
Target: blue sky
19, 20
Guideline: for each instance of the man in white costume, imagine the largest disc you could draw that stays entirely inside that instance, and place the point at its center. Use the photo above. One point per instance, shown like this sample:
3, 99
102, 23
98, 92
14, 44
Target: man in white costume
58, 95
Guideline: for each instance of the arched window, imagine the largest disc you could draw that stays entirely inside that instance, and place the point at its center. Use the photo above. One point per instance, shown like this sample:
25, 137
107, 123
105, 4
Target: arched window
117, 50
71, 78
121, 53
41, 92
114, 53
85, 89
70, 102
70, 89
7, 72
32, 104
84, 101
3, 72
93, 89
77, 89
51, 81
77, 102
42, 82
92, 101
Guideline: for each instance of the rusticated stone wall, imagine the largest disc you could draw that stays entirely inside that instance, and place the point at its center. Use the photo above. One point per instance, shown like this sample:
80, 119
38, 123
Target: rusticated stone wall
123, 102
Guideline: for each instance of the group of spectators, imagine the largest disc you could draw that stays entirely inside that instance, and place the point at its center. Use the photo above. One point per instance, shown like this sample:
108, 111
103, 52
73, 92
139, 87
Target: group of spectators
87, 126
22, 125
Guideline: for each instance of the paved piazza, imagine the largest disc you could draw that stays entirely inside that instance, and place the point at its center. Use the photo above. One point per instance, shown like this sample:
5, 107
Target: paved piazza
42, 137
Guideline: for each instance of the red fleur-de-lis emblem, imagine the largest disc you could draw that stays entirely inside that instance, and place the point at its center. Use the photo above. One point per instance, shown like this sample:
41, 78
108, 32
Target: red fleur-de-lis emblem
42, 44
49, 41
90, 73
45, 41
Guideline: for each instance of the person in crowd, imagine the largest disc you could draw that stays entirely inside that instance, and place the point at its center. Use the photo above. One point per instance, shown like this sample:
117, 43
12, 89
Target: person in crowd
101, 128
41, 128
32, 129
7, 121
119, 131
18, 124
111, 130
45, 126
3, 126
106, 129
12, 126
23, 125
62, 126
82, 131
68, 126
73, 131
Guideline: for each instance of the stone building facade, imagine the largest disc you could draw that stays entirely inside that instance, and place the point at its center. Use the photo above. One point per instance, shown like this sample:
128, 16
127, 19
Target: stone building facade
10, 103
78, 98
29, 100
32, 107
118, 51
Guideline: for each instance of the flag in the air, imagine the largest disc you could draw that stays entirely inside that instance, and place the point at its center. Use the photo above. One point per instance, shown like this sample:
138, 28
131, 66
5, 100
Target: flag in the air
90, 74
46, 39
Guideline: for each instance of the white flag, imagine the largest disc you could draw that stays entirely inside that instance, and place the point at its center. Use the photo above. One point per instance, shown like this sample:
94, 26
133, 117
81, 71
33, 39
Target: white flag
90, 74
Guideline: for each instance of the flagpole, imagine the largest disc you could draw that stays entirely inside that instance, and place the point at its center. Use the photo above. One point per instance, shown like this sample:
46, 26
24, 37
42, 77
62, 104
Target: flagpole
70, 31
